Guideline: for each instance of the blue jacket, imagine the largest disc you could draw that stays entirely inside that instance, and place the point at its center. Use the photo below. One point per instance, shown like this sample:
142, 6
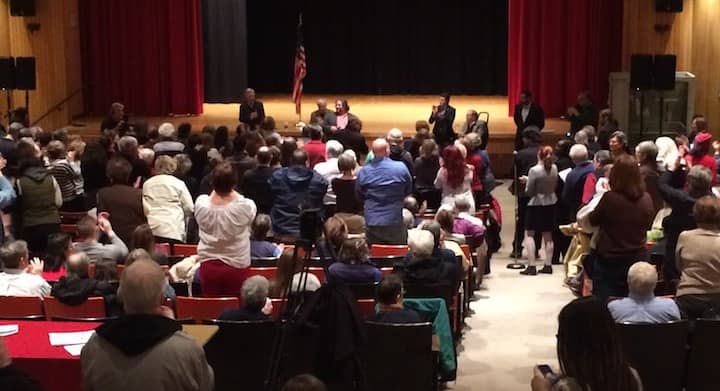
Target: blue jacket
294, 188
7, 198
573, 188
383, 184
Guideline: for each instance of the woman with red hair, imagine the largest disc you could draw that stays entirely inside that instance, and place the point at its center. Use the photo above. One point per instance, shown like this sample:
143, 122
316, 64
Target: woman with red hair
454, 178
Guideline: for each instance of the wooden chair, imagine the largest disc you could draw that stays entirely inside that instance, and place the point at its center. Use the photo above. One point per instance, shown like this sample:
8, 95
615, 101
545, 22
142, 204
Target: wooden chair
658, 352
185, 250
385, 250
201, 308
21, 308
93, 309
702, 373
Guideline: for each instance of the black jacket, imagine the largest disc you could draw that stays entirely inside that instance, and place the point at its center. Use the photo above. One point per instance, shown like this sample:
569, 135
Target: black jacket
136, 334
256, 186
589, 115
536, 117
243, 313
246, 110
351, 139
525, 159
443, 129
75, 291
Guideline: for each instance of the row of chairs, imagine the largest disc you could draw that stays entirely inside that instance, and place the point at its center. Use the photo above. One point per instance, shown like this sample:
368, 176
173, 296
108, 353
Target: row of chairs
674, 356
50, 308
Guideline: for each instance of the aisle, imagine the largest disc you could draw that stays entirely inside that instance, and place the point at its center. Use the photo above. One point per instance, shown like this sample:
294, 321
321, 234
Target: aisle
514, 324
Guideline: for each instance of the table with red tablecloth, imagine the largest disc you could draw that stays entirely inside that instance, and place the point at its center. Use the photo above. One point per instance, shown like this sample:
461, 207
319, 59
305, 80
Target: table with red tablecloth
32, 353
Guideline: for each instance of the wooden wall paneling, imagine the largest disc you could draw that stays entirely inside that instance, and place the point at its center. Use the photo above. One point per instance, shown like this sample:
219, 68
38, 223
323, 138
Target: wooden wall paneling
4, 51
73, 59
706, 61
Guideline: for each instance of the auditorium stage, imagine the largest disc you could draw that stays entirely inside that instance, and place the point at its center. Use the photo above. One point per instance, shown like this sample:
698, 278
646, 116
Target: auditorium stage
379, 113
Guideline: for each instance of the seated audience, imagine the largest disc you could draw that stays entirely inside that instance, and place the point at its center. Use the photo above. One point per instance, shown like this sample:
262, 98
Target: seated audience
127, 147
142, 238
167, 202
335, 233
294, 188
589, 352
67, 176
455, 178
59, 248
315, 148
287, 148
146, 348
256, 182
289, 275
89, 230
168, 144
122, 202
411, 209
390, 297
255, 302
13, 379
329, 169
698, 260
424, 267
184, 165
142, 255
304, 382
382, 185
601, 166
224, 219
344, 186
21, 276
260, 246
452, 241
466, 223
354, 265
77, 286
641, 305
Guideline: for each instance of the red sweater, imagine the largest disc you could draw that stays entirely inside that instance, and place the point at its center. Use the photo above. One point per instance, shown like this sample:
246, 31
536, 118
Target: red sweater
704, 160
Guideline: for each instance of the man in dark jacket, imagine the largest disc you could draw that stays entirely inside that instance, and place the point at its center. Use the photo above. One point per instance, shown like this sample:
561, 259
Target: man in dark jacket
255, 183
572, 194
77, 286
252, 111
443, 116
295, 188
255, 303
424, 268
351, 138
525, 159
527, 113
583, 113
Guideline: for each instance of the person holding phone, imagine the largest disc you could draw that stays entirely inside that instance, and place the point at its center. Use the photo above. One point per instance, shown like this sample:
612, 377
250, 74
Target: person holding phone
589, 352
443, 116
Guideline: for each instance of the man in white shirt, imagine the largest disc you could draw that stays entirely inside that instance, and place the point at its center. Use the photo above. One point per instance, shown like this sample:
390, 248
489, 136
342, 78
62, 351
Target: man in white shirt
21, 276
329, 168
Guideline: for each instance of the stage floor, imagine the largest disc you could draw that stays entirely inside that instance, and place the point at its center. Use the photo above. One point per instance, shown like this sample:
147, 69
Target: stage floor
379, 113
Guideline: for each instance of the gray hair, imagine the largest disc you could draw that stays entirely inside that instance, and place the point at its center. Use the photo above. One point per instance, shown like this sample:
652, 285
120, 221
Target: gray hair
603, 157
147, 155
184, 164
462, 204
589, 130
127, 144
395, 136
581, 137
333, 149
699, 180
141, 287
421, 242
642, 278
578, 153
165, 165
621, 136
648, 150
167, 130
254, 292
78, 265
12, 252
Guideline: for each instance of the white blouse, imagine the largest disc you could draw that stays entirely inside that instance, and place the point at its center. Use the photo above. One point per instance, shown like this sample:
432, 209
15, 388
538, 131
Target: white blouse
225, 230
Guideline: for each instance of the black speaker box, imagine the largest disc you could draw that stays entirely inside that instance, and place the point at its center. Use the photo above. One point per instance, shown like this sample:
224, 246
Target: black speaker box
7, 73
664, 72
22, 7
25, 73
641, 72
669, 5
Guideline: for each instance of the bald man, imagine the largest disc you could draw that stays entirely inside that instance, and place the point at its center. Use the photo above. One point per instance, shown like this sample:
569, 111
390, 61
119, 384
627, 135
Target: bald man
320, 113
145, 349
383, 184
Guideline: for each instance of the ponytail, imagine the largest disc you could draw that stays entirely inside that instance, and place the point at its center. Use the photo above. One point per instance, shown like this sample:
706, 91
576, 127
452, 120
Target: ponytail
545, 155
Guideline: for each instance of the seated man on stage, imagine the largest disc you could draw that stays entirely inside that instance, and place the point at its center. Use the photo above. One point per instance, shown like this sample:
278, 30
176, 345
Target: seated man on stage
443, 116
474, 125
116, 120
252, 112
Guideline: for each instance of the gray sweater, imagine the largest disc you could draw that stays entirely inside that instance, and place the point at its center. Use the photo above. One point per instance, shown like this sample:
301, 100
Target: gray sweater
541, 186
116, 250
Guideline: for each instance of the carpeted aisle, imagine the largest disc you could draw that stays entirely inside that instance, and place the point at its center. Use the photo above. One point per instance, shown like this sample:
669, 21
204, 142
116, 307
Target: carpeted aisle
514, 324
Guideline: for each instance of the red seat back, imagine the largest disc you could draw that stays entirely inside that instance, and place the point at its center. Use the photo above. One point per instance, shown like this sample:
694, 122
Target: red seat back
466, 250
267, 272
386, 250
200, 308
366, 307
186, 250
21, 307
163, 248
93, 307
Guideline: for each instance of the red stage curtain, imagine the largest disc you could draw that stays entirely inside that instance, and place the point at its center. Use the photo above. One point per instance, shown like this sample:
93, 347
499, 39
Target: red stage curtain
557, 48
144, 53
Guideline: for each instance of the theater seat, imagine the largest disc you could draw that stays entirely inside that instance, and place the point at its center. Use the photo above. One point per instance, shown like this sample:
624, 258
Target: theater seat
93, 309
21, 308
703, 374
386, 250
186, 250
201, 308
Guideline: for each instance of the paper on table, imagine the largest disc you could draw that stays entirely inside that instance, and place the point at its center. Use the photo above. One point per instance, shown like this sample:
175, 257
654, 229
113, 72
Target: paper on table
74, 338
8, 329
74, 350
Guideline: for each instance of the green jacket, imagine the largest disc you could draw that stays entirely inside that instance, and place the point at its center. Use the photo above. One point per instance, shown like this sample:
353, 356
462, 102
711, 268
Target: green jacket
39, 197
436, 310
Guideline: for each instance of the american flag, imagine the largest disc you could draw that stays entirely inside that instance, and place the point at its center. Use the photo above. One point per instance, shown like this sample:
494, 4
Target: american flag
300, 69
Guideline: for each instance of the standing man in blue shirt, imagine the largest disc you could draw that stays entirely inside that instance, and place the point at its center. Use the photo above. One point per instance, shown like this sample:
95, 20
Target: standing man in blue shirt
383, 184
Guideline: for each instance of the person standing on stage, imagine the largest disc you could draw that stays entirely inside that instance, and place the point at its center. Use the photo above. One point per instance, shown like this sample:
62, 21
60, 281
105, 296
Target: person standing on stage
583, 113
341, 118
527, 113
252, 112
443, 116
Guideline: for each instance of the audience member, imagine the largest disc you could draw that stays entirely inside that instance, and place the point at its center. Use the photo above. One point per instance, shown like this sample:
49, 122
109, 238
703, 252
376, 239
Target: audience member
606, 127
92, 167
67, 176
224, 218
382, 185
344, 186
167, 202
315, 148
12, 378
290, 276
241, 160
252, 111
601, 163
268, 131
443, 116
424, 267
540, 186
256, 182
21, 276
143, 238
145, 348
287, 149
330, 170
426, 169
618, 144
255, 302
168, 144
78, 286
451, 240
334, 235
7, 194
455, 178
411, 209
390, 297
294, 188
222, 142
184, 165
59, 248
115, 120
89, 230
589, 351
698, 261
646, 155
39, 199
354, 265
623, 216
474, 159
466, 224
352, 139
641, 305
422, 133
583, 113
122, 203
260, 246
474, 125
525, 159
128, 148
